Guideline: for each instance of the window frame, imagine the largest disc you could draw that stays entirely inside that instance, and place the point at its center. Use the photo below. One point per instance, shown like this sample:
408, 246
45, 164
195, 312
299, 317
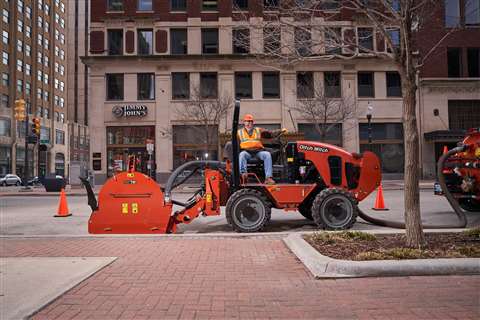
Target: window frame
311, 87
174, 40
139, 37
180, 94
372, 91
205, 89
248, 87
264, 80
204, 32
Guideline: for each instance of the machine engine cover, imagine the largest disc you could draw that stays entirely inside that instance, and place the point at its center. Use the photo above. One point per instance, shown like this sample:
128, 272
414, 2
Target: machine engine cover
131, 202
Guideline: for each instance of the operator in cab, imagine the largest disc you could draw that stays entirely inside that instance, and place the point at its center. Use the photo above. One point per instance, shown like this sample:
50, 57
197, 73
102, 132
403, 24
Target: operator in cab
251, 146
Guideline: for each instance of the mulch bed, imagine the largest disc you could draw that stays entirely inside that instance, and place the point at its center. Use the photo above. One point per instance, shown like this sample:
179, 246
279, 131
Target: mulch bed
356, 246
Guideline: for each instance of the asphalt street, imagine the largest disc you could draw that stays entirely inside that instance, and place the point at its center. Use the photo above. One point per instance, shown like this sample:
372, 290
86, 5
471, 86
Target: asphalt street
29, 216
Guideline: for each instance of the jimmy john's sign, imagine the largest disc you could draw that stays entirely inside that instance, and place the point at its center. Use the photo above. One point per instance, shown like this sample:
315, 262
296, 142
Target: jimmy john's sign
130, 110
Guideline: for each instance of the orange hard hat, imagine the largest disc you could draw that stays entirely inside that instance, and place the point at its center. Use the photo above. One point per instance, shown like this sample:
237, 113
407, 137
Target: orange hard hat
248, 117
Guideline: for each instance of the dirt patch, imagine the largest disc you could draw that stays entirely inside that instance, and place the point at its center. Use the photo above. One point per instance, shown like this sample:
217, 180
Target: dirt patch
354, 245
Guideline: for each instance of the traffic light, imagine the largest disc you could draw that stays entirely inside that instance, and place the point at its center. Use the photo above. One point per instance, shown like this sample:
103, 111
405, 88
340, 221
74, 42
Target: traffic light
20, 110
36, 126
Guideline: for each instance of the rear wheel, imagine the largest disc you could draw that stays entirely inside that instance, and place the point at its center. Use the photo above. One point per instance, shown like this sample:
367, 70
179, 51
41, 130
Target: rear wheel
334, 209
248, 210
17, 183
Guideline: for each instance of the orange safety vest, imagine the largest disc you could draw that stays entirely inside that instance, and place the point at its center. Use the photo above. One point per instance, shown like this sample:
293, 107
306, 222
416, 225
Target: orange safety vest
250, 142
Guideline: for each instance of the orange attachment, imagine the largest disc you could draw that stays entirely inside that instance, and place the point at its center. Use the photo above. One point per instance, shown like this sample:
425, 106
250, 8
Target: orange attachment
379, 202
62, 206
445, 149
131, 202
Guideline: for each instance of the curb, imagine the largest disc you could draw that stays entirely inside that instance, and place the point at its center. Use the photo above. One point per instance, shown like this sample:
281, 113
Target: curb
323, 267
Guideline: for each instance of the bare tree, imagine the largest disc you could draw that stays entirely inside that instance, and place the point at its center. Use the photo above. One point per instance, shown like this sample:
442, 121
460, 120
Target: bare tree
324, 110
315, 30
204, 111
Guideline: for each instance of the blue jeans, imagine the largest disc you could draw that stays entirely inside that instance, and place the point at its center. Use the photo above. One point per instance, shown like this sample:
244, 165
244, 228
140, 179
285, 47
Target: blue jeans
265, 156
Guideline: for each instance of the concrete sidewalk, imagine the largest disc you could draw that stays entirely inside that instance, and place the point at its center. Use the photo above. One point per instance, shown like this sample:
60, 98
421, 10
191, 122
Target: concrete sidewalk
249, 277
187, 188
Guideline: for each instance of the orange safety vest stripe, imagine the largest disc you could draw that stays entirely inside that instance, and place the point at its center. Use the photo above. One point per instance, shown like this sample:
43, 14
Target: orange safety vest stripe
250, 142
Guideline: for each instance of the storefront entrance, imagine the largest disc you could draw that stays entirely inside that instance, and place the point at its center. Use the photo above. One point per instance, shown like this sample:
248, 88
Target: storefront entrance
123, 142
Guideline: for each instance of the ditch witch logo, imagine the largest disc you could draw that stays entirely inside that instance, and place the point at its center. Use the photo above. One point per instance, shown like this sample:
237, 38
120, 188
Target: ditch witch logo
130, 111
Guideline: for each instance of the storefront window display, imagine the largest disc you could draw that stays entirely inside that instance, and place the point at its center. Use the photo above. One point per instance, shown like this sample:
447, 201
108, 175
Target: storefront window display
125, 141
193, 142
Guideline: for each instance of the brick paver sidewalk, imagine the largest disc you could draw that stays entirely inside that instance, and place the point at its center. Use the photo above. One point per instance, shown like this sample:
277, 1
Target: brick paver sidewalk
251, 277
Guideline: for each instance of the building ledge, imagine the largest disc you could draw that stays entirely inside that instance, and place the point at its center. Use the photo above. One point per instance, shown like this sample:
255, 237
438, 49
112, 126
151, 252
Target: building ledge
445, 135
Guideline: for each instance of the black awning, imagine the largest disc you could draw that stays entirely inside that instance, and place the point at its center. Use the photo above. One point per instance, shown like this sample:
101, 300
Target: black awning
445, 135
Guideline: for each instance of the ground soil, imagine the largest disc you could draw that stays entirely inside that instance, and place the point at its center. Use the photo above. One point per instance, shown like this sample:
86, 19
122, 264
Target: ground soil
392, 246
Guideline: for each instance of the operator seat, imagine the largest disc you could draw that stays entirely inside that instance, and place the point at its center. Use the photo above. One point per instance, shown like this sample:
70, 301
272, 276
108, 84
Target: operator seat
228, 154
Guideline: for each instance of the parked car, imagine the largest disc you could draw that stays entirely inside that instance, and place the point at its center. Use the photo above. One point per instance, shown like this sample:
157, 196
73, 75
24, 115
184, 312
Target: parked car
10, 180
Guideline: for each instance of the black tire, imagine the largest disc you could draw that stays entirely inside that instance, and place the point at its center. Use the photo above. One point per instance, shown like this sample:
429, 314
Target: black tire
17, 183
305, 209
4, 183
334, 209
242, 216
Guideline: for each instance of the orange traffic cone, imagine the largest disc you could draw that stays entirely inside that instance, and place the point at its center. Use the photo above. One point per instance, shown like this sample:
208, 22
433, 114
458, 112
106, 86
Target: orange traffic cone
62, 206
445, 149
379, 202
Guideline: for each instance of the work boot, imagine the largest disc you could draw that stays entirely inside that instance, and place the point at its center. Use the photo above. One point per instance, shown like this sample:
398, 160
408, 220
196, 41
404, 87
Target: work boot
269, 180
244, 177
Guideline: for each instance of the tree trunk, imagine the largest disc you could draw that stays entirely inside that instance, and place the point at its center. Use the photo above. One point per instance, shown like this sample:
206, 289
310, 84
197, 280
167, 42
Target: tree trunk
413, 222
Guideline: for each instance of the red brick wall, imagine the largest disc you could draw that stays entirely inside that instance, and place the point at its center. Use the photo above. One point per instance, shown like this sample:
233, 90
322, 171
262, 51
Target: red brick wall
436, 64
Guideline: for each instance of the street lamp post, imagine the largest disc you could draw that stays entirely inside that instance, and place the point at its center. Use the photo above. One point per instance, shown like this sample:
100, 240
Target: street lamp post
369, 119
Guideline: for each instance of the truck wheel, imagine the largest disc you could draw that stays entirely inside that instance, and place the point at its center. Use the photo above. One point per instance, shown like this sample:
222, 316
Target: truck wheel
305, 209
469, 205
334, 209
247, 210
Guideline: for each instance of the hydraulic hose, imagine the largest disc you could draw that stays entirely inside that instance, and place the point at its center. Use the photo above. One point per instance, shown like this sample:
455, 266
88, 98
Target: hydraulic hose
462, 219
170, 185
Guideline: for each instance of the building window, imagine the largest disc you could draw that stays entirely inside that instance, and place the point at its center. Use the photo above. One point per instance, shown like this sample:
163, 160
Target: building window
473, 61
305, 85
28, 69
145, 41
28, 50
394, 84
5, 16
5, 58
5, 127
59, 136
271, 5
28, 89
178, 41
145, 5
5, 79
332, 84
4, 101
5, 37
271, 40
20, 85
365, 39
329, 133
114, 86
28, 12
240, 5
454, 60
115, 42
387, 144
19, 65
210, 41
333, 40
178, 5
472, 12
146, 86
194, 142
394, 34
28, 31
208, 85
463, 114
180, 85
303, 41
115, 5
20, 25
271, 85
241, 41
330, 5
243, 85
366, 84
209, 5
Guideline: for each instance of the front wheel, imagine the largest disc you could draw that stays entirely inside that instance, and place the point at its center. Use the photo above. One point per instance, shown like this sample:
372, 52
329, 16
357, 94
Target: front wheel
334, 209
248, 210
17, 183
